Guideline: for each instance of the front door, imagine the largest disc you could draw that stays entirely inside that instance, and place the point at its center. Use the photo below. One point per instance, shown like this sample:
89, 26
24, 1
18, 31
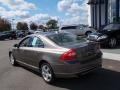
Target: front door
21, 53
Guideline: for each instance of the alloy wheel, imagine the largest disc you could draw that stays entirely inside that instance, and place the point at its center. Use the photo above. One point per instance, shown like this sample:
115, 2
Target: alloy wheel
47, 73
12, 60
112, 42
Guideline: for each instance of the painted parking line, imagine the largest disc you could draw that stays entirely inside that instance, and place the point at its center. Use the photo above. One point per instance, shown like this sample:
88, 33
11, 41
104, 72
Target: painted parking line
111, 56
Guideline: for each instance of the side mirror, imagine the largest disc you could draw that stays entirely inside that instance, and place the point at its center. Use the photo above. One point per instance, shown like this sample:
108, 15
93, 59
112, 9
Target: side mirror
16, 45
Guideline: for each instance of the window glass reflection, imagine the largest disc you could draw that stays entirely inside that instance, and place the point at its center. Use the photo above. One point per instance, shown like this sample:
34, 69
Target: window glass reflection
119, 10
112, 10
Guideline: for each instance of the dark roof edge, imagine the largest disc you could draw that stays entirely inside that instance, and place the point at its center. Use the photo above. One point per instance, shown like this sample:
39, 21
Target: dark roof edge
95, 2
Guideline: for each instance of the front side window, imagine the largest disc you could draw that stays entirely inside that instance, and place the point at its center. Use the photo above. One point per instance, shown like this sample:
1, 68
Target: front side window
26, 42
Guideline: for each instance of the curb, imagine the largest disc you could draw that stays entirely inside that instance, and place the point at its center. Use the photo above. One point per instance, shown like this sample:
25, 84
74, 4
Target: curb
111, 56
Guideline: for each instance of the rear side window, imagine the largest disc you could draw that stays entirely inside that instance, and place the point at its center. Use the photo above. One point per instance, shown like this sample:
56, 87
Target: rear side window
37, 42
69, 27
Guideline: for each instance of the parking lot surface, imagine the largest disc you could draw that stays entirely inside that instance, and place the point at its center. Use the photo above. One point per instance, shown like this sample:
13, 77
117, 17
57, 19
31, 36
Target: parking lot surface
19, 78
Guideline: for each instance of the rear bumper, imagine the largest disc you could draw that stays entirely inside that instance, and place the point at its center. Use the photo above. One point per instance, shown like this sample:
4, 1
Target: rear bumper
78, 68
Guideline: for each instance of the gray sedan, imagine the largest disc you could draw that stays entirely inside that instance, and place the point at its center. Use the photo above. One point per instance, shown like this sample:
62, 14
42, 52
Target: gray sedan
56, 54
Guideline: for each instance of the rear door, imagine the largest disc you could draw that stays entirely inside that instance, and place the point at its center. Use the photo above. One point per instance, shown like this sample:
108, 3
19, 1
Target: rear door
34, 53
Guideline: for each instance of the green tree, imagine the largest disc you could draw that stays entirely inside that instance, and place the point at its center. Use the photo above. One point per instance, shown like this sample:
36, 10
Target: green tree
5, 25
41, 27
52, 24
33, 26
22, 26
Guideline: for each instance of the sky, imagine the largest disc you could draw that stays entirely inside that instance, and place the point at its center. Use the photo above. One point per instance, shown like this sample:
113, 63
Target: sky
40, 11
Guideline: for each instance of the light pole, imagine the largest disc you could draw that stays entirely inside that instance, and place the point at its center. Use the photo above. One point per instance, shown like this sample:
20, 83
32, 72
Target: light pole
13, 24
59, 22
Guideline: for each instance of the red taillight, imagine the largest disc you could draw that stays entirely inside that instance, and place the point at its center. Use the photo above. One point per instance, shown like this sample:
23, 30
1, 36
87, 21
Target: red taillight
69, 55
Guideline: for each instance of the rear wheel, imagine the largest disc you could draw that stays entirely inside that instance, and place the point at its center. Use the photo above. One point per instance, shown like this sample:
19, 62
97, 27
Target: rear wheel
47, 73
112, 42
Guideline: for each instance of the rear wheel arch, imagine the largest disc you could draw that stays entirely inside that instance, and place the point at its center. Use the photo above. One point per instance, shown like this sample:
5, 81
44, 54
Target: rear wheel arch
41, 62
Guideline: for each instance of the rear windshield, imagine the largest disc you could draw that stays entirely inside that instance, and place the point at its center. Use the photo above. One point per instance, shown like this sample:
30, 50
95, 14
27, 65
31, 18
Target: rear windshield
66, 39
69, 27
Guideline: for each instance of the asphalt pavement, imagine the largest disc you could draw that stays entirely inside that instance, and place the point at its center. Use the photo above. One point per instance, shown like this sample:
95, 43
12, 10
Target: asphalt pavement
111, 53
112, 50
21, 78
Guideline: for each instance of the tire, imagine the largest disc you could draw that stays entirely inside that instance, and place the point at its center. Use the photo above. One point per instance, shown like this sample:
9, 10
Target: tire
47, 73
10, 38
87, 33
15, 38
112, 42
12, 60
2, 39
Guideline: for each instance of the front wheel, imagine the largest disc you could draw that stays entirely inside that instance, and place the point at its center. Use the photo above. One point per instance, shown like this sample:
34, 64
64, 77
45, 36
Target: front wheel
10, 38
47, 73
112, 42
12, 60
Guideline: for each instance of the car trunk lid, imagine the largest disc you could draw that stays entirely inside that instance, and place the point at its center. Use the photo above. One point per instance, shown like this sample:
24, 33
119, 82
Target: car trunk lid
85, 51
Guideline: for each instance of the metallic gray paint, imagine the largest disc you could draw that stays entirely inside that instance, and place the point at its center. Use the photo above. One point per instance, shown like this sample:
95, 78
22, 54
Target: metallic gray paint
31, 57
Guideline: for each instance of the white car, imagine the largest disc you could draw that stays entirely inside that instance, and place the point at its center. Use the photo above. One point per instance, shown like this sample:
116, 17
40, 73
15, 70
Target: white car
38, 32
78, 29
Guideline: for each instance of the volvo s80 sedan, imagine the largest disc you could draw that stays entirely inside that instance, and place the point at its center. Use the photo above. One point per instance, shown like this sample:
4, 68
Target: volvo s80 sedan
56, 54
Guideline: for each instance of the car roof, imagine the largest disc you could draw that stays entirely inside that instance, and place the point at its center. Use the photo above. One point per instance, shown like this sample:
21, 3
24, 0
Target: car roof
47, 33
112, 26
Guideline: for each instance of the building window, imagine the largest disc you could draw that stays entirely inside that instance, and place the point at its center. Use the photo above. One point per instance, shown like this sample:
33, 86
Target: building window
119, 11
111, 11
119, 8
